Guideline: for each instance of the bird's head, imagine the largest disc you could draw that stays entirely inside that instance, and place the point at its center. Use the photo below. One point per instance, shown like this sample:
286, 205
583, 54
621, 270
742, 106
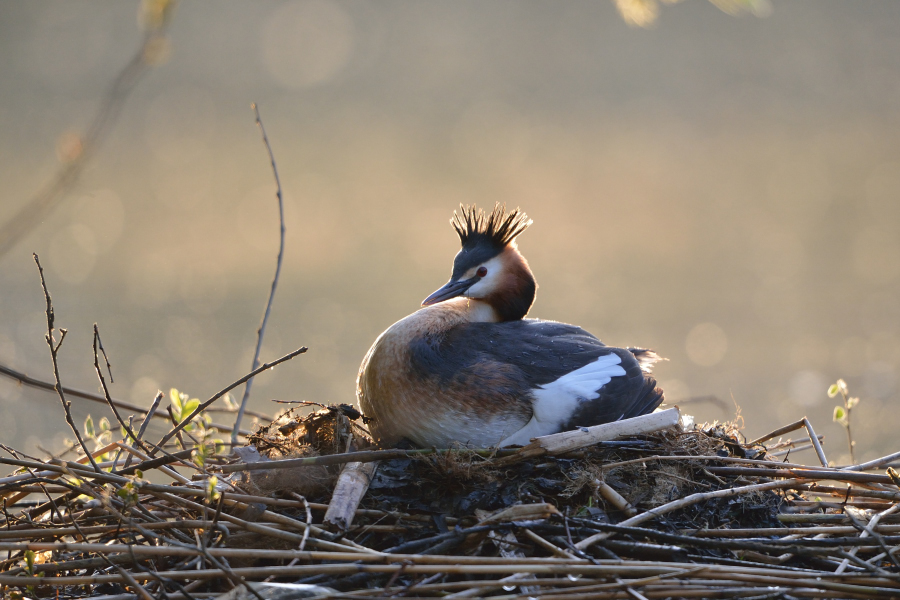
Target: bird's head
489, 266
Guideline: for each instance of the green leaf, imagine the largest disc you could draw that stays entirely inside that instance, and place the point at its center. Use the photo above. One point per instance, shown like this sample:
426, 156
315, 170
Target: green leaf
211, 494
833, 390
840, 415
89, 426
104, 425
190, 406
199, 456
175, 398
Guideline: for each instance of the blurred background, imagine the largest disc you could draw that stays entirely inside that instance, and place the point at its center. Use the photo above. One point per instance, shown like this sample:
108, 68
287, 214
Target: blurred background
723, 189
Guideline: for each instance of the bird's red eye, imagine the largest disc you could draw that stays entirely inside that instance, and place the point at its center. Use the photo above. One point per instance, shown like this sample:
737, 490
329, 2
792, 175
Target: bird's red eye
481, 272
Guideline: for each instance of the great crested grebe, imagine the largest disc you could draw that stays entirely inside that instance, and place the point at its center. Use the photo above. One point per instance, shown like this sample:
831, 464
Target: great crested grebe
469, 369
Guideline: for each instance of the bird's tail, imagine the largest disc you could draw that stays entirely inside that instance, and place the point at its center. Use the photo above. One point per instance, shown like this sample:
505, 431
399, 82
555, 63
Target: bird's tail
646, 358
649, 398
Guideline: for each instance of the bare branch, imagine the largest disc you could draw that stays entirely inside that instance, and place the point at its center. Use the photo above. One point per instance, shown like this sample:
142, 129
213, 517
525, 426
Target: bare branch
50, 387
54, 349
265, 319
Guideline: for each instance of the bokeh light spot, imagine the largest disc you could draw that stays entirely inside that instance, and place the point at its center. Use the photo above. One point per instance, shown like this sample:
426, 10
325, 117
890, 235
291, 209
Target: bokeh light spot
807, 388
306, 43
73, 253
706, 344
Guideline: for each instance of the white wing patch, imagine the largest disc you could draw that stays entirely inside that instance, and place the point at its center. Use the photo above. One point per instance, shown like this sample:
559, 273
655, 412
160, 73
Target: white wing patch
556, 402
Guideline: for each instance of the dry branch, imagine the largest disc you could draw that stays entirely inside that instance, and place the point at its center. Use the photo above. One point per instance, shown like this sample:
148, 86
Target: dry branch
54, 351
40, 384
261, 332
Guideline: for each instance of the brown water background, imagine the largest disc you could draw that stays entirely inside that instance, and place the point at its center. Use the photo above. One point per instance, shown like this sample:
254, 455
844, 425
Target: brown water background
723, 189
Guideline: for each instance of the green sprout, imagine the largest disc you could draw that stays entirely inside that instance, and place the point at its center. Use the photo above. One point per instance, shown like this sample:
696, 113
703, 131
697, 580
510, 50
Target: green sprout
842, 413
29, 562
212, 495
204, 437
101, 434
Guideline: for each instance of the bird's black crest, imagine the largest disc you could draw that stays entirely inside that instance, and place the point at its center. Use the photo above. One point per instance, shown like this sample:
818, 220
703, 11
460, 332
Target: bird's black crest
498, 228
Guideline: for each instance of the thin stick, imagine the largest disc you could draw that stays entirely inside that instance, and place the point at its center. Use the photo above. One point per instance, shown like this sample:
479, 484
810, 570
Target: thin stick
362, 456
203, 405
815, 442
105, 389
804, 473
265, 319
780, 431
872, 464
25, 379
144, 423
687, 501
54, 350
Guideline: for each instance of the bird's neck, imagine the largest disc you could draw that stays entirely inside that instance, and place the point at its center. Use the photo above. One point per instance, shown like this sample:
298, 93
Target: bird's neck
468, 310
512, 300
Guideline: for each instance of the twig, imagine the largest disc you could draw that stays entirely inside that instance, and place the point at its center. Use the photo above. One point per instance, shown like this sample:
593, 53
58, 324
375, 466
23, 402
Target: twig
780, 431
185, 421
815, 442
105, 389
265, 319
361, 456
873, 464
25, 379
687, 501
144, 423
54, 350
804, 473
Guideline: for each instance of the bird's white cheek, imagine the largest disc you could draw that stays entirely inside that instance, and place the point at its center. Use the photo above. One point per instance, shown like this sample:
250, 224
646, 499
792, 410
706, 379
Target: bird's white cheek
483, 288
476, 291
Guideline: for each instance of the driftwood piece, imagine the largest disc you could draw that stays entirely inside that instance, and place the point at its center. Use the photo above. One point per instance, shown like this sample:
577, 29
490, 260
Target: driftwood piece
559, 443
349, 490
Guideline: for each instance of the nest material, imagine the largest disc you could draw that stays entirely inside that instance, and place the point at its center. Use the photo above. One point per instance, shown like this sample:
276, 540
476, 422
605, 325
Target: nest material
696, 513
330, 430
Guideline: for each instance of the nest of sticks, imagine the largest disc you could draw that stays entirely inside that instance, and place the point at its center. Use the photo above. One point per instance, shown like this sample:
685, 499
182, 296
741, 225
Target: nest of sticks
696, 512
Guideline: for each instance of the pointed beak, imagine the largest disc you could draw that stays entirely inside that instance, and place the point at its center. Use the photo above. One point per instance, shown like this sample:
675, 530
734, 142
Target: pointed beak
451, 290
